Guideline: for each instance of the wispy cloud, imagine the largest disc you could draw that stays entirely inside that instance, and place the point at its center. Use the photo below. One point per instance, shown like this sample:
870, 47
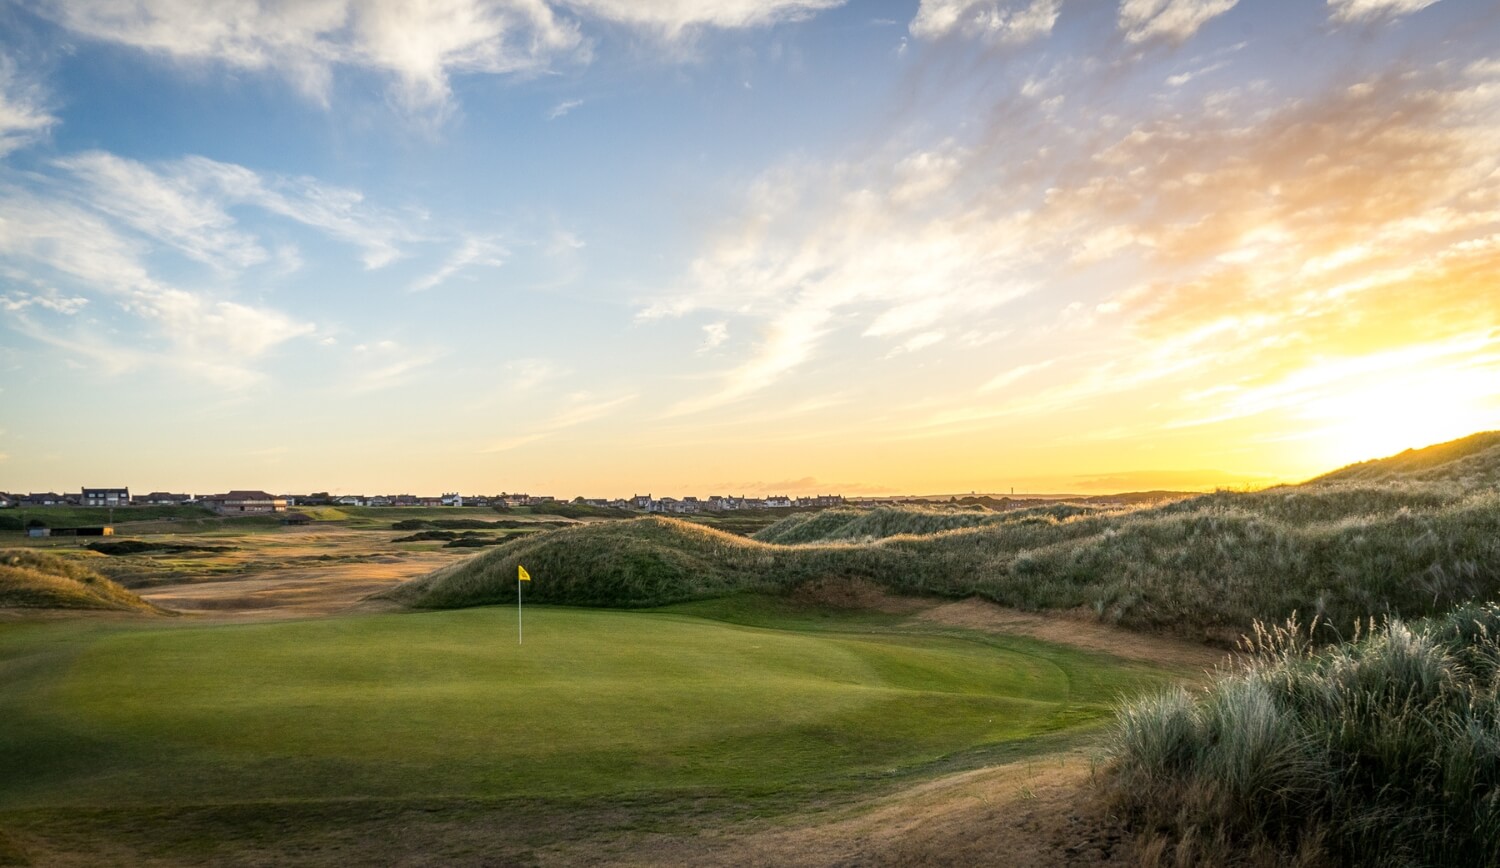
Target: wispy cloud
169, 206
1365, 10
714, 336
524, 375
563, 108
50, 299
211, 337
420, 47
993, 21
386, 364
1014, 375
185, 203
674, 19
24, 116
579, 408
1175, 20
475, 252
340, 212
879, 246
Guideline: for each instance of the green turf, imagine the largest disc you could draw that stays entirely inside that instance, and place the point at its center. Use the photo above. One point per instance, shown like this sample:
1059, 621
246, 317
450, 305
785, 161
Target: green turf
596, 705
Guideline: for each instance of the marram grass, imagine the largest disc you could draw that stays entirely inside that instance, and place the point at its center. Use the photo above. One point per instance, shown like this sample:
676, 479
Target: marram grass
1208, 567
1384, 751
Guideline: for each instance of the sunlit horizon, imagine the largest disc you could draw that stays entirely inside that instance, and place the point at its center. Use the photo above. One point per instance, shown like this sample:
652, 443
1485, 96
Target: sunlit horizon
784, 247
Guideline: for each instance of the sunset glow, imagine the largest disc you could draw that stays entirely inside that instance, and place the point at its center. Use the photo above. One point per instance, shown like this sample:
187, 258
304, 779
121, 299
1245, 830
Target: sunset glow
785, 246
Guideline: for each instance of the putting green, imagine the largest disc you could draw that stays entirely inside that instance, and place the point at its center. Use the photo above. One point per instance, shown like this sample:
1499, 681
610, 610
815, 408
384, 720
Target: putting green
595, 704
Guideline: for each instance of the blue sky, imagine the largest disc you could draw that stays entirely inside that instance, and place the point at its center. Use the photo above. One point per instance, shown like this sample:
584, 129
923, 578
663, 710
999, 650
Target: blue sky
599, 246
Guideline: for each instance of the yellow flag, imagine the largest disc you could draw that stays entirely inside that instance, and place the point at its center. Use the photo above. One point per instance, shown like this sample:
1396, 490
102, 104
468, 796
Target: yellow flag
521, 574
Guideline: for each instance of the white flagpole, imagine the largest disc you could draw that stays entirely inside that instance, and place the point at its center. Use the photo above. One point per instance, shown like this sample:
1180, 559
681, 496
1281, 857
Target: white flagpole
519, 633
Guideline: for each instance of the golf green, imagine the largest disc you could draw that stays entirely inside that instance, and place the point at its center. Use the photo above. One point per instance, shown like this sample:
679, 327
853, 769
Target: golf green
595, 704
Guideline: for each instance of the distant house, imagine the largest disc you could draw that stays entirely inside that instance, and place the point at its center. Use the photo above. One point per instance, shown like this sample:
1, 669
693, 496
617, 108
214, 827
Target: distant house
106, 497
429, 501
779, 502
350, 500
453, 499
641, 501
160, 498
380, 500
244, 502
8, 500
46, 498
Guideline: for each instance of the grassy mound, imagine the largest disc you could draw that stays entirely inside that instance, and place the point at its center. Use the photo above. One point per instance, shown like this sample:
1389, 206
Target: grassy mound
640, 563
1204, 568
1381, 752
37, 580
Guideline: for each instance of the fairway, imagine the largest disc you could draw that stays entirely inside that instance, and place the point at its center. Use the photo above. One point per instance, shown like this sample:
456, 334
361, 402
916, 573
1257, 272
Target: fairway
596, 704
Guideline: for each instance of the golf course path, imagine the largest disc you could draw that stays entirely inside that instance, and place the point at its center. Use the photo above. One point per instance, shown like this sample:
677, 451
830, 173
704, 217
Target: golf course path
1031, 814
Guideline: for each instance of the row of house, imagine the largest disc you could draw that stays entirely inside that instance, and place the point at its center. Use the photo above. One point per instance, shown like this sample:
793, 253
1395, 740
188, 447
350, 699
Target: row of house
715, 503
247, 501
255, 501
102, 497
448, 499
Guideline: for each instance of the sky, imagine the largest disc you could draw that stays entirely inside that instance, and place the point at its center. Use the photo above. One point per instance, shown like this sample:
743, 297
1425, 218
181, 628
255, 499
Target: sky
606, 247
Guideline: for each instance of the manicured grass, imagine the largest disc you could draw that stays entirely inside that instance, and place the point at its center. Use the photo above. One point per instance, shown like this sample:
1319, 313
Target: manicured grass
597, 705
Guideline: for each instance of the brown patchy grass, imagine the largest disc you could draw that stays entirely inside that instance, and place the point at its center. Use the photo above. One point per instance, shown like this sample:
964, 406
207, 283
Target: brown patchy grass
1077, 628
1037, 813
300, 572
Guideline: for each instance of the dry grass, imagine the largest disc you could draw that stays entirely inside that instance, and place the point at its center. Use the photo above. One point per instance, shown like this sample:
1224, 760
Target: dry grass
39, 580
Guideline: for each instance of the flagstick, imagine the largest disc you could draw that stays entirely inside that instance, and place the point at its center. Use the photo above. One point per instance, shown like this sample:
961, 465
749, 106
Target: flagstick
519, 633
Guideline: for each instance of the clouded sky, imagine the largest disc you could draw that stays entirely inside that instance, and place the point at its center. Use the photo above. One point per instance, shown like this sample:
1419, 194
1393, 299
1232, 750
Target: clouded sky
608, 246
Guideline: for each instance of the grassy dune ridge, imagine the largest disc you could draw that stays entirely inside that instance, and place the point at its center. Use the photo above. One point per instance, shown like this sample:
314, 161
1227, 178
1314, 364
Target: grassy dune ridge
1208, 566
38, 580
862, 525
1471, 462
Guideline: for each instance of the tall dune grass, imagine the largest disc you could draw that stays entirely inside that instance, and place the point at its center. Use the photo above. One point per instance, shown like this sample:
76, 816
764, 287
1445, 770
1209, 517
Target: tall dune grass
40, 580
1384, 751
865, 525
1207, 570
